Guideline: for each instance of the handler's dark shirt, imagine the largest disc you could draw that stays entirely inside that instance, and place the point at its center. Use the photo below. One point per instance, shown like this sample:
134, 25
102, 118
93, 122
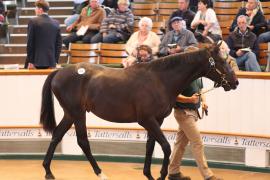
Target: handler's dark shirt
194, 87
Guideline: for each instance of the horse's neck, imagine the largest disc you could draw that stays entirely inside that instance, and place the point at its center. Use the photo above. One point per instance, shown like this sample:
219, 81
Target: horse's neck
182, 74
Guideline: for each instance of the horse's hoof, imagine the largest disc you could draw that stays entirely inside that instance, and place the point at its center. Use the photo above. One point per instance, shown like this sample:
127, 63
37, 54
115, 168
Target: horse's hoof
49, 176
102, 176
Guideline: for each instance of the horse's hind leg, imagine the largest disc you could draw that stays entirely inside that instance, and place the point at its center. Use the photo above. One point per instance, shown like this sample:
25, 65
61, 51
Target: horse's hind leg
81, 132
57, 136
150, 145
153, 128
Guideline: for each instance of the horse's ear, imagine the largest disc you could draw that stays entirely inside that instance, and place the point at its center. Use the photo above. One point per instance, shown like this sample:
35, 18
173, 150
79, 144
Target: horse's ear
218, 44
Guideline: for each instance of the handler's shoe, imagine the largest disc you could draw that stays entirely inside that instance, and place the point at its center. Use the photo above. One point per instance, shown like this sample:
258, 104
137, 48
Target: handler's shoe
213, 178
178, 176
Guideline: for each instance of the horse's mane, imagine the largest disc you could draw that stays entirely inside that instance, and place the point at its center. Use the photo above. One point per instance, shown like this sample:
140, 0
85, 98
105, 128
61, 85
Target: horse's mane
183, 58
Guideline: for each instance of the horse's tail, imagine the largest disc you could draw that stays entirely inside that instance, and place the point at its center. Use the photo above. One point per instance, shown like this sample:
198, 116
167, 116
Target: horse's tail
47, 117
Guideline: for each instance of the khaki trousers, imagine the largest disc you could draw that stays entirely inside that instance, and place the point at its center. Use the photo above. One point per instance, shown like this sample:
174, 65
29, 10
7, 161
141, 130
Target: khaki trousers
188, 132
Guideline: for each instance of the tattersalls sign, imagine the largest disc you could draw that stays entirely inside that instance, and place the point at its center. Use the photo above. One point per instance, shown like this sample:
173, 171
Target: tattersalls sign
138, 135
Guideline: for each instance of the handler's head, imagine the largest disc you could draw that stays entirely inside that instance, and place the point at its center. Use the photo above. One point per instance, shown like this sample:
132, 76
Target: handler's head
42, 6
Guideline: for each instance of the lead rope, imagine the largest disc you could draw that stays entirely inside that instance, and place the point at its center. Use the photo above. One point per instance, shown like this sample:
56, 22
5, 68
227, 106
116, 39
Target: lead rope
205, 111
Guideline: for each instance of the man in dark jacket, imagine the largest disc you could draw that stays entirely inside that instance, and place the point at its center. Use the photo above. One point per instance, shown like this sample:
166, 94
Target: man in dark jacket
43, 39
255, 18
183, 12
243, 46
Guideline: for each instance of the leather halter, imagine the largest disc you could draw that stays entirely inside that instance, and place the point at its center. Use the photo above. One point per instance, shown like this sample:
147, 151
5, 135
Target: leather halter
223, 80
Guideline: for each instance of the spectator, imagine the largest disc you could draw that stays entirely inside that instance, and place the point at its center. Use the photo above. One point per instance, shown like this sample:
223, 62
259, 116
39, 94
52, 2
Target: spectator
44, 41
183, 12
2, 12
91, 18
76, 4
264, 37
255, 18
118, 26
76, 13
193, 5
186, 115
243, 46
205, 23
144, 54
110, 3
180, 38
142, 37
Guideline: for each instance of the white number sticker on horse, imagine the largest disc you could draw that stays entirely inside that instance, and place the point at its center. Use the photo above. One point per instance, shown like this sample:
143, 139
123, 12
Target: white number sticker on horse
81, 71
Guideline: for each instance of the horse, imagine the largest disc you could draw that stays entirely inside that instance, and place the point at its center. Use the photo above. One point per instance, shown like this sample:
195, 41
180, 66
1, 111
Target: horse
144, 93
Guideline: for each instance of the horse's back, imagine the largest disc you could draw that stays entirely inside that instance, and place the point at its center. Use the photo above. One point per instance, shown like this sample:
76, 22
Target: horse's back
118, 95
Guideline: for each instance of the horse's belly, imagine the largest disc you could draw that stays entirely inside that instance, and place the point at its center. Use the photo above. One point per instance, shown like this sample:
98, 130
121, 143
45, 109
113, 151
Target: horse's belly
115, 115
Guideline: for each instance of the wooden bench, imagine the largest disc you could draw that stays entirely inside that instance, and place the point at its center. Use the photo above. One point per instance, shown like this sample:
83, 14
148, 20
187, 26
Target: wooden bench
82, 53
263, 55
98, 53
144, 10
112, 54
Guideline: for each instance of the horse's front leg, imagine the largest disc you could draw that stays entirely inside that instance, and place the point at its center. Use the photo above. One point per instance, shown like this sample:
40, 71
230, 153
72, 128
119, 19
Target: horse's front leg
150, 145
57, 136
153, 128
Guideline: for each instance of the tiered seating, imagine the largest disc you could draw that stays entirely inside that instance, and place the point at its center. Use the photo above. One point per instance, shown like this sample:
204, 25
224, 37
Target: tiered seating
100, 53
10, 8
144, 9
15, 50
53, 3
166, 9
157, 11
263, 55
266, 9
226, 12
112, 53
82, 53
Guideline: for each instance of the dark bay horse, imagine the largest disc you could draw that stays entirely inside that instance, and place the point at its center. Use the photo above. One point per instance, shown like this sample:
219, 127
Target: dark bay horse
144, 93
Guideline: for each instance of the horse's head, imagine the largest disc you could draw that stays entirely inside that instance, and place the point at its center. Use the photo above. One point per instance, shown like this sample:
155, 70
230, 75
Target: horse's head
219, 70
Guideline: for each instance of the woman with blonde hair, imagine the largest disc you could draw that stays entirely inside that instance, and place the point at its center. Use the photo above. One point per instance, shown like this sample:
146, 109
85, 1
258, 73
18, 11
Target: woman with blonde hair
144, 36
255, 18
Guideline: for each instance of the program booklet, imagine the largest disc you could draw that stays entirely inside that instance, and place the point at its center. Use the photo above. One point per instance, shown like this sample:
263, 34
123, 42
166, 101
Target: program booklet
171, 46
82, 30
246, 49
